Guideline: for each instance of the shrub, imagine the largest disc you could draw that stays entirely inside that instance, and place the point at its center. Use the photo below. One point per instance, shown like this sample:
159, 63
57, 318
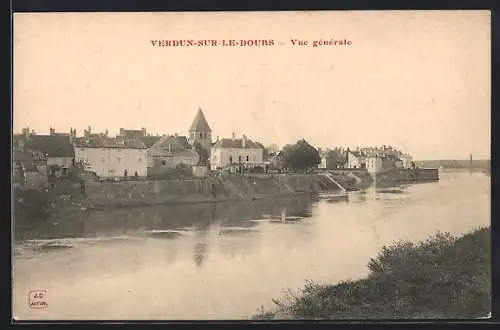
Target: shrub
442, 277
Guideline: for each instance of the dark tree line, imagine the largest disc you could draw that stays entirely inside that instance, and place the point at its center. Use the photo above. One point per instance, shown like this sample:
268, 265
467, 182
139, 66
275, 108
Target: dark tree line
300, 155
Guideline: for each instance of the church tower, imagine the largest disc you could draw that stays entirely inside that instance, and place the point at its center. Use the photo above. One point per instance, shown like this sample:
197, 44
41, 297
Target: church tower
200, 132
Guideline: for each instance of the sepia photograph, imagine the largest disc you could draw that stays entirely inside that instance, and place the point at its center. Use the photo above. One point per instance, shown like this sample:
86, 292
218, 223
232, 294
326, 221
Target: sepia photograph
293, 165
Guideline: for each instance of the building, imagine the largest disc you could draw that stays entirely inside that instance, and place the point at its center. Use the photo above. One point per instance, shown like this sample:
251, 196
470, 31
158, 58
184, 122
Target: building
355, 159
149, 140
406, 161
237, 154
200, 132
56, 147
331, 159
276, 160
29, 169
377, 164
169, 152
132, 134
112, 158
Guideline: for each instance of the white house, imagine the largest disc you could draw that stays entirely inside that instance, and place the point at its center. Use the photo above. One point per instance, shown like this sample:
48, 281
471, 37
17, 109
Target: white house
379, 164
169, 152
110, 159
407, 161
237, 154
355, 160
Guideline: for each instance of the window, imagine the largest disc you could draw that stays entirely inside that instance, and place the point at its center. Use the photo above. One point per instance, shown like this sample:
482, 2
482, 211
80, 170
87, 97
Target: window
163, 162
119, 159
248, 158
230, 159
139, 159
103, 159
201, 135
239, 159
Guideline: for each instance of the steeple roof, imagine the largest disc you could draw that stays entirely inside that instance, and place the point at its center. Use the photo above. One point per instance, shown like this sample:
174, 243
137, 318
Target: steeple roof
200, 123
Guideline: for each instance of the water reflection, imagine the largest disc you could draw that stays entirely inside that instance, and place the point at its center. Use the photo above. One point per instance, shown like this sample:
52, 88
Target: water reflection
164, 221
224, 260
170, 222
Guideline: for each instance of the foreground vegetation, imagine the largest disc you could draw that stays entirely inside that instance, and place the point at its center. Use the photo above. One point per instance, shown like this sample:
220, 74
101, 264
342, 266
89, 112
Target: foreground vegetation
443, 277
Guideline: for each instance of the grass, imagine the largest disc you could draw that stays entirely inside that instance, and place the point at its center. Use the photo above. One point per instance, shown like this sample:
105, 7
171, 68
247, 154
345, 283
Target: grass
442, 277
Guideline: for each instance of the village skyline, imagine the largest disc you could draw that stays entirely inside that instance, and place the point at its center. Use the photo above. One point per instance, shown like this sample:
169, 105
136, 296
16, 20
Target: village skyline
428, 94
116, 133
124, 131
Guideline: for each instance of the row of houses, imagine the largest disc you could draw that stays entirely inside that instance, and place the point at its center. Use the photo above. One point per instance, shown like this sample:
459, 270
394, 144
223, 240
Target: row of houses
135, 153
373, 159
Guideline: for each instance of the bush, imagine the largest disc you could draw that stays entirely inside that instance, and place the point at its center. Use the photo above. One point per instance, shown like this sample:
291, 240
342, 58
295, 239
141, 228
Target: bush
443, 277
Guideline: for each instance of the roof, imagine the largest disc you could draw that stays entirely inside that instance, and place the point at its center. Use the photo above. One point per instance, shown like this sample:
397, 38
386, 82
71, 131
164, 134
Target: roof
355, 153
185, 153
107, 142
149, 140
26, 159
169, 143
131, 133
237, 144
200, 123
183, 140
52, 145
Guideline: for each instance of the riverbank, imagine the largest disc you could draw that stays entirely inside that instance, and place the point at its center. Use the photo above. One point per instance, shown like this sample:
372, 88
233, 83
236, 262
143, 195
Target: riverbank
67, 195
443, 277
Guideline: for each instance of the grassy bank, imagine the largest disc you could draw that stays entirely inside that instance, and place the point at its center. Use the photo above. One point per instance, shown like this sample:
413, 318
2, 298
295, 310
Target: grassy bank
443, 277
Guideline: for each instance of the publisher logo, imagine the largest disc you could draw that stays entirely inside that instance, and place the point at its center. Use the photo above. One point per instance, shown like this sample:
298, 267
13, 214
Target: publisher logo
37, 299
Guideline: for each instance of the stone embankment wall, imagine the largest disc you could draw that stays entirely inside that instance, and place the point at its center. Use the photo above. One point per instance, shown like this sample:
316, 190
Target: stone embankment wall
409, 175
357, 178
67, 195
208, 189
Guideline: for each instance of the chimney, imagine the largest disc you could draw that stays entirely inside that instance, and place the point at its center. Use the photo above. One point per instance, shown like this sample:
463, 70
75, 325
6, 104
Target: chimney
244, 141
234, 136
143, 131
122, 133
52, 131
26, 132
169, 147
217, 138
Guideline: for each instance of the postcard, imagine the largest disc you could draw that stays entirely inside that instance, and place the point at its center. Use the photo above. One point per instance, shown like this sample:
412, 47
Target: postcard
251, 165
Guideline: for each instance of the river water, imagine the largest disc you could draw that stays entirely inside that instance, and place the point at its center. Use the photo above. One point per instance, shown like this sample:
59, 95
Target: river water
223, 261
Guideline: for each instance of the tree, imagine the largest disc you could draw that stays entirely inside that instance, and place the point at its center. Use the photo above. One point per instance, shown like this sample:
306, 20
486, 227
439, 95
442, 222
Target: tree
202, 152
300, 155
272, 148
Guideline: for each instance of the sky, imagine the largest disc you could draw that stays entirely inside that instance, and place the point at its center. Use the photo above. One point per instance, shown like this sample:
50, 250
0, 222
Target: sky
417, 80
